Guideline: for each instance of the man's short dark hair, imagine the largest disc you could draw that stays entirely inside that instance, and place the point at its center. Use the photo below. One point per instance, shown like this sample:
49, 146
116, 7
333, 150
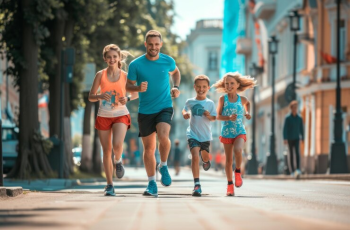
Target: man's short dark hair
153, 33
292, 103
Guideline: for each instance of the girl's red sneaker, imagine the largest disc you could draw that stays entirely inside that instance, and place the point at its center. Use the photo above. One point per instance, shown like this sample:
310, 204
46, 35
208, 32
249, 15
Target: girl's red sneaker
238, 180
230, 190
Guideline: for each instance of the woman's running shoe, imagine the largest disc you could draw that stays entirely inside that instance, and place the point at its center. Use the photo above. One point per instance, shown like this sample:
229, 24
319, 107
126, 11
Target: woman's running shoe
238, 180
230, 190
119, 168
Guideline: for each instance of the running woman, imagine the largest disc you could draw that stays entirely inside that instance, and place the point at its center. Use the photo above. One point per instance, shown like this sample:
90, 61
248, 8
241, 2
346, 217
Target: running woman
113, 118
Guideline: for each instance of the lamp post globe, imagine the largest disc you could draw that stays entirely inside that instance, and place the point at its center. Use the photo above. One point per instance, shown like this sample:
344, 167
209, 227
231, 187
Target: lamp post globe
294, 18
294, 22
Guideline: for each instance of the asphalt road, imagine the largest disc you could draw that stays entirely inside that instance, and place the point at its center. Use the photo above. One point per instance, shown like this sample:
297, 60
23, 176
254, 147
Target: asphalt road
258, 204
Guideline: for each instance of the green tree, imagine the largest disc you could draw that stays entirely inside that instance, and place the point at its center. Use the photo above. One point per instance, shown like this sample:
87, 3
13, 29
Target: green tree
74, 21
22, 34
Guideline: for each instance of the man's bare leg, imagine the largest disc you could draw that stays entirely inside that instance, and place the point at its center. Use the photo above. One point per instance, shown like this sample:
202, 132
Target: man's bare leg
163, 130
149, 147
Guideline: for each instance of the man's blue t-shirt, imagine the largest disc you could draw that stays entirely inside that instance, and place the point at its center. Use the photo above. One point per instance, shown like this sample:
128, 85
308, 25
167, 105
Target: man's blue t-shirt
156, 73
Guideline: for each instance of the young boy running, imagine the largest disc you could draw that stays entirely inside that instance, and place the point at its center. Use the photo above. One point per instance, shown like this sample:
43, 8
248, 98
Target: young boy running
201, 112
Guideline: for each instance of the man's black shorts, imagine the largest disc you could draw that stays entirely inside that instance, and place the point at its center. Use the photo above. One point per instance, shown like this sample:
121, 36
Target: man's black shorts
148, 122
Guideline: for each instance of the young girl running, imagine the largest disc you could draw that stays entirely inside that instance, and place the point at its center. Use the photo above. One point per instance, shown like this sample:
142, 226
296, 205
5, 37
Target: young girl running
113, 119
231, 109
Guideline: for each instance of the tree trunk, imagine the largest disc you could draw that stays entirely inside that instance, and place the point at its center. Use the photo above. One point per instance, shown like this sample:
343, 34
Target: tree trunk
28, 83
96, 153
55, 80
69, 169
86, 154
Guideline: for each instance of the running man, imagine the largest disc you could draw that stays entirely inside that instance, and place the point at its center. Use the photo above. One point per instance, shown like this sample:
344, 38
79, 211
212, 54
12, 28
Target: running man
151, 73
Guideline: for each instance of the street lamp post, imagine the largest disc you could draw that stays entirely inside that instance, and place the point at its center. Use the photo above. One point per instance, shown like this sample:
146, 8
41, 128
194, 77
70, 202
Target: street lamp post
271, 163
294, 17
338, 159
252, 163
1, 161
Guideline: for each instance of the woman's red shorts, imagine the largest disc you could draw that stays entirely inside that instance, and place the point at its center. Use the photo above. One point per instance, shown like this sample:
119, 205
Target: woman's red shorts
225, 140
106, 123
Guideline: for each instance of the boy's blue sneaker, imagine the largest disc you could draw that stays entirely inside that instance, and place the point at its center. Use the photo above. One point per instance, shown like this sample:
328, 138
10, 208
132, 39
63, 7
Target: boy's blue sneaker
165, 180
197, 191
109, 190
152, 189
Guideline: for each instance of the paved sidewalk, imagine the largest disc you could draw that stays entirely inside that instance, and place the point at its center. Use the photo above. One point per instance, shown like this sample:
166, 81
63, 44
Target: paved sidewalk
343, 177
259, 204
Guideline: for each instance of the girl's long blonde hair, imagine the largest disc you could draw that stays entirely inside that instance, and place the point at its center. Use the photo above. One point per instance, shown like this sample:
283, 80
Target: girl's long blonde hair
123, 54
245, 82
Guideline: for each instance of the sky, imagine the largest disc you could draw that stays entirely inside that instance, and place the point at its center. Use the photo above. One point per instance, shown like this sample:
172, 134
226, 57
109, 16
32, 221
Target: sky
190, 11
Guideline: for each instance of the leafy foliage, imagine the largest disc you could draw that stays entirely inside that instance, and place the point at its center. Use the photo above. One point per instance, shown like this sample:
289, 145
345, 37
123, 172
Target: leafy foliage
11, 27
88, 25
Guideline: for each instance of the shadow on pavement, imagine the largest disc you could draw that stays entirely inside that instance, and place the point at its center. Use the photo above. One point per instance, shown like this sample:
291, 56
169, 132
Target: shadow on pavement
38, 209
9, 217
31, 224
246, 197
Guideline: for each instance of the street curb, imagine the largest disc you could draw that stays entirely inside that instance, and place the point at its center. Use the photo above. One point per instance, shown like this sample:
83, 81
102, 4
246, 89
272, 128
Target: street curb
3, 192
10, 191
343, 177
14, 191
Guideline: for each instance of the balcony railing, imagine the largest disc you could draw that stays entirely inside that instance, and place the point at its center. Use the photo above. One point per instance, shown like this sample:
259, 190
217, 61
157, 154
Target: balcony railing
264, 9
209, 23
328, 73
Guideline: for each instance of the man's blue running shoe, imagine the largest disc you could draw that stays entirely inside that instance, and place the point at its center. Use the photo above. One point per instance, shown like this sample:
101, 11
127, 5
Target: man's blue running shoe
152, 189
109, 190
197, 191
165, 180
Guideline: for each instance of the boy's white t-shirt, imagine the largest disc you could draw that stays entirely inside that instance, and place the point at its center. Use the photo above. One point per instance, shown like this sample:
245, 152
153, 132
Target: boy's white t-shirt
200, 126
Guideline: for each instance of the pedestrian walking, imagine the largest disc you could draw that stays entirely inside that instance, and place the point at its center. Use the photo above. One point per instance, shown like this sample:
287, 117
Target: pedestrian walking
201, 112
177, 157
293, 133
113, 119
231, 110
150, 72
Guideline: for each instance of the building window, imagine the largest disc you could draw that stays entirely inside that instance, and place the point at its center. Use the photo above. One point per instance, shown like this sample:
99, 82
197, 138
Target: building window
213, 60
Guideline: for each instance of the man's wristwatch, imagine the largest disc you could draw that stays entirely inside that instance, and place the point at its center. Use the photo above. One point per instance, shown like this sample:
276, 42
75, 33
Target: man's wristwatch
177, 87
128, 98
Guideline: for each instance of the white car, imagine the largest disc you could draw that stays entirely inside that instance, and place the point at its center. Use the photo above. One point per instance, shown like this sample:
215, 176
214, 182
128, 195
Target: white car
77, 155
9, 138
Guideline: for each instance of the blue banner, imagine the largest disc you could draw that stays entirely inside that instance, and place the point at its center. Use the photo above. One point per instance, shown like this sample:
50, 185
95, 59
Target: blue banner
234, 27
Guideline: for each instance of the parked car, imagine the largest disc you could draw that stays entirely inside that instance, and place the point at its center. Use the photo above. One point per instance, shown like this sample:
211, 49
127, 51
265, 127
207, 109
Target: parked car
10, 146
77, 155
